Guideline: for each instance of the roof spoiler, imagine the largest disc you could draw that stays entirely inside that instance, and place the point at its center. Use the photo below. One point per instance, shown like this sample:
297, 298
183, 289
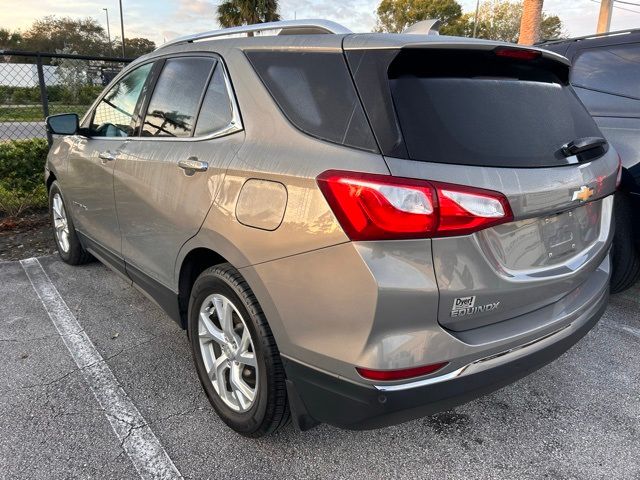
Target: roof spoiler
425, 27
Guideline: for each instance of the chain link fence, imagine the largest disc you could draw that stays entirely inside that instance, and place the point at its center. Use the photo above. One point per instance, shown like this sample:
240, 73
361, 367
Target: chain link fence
34, 85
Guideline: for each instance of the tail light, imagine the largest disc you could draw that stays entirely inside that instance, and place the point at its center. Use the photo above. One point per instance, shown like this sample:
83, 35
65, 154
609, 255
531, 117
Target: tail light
382, 207
517, 53
386, 375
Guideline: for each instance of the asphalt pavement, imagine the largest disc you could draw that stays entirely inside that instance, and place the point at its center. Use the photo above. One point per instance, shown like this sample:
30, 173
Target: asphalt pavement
578, 417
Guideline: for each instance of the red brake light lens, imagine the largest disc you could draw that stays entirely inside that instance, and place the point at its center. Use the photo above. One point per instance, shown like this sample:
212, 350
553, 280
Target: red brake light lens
379, 207
464, 210
382, 207
517, 53
387, 375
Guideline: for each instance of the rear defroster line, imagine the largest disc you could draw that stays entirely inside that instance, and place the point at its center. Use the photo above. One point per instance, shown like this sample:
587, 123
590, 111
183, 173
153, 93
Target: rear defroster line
138, 440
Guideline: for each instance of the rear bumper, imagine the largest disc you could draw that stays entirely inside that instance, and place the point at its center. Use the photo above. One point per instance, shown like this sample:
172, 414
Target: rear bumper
317, 397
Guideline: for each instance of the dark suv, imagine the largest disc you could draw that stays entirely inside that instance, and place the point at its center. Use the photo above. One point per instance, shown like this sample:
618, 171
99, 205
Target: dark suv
606, 76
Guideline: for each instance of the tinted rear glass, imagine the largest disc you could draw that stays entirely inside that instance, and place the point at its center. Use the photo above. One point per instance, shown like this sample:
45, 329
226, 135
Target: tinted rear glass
614, 69
475, 109
315, 91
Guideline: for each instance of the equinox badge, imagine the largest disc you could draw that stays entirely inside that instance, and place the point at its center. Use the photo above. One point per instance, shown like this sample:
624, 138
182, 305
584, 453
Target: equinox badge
467, 306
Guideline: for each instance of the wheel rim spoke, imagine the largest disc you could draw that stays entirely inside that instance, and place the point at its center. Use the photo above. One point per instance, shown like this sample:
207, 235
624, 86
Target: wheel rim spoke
208, 330
248, 359
218, 377
224, 310
244, 393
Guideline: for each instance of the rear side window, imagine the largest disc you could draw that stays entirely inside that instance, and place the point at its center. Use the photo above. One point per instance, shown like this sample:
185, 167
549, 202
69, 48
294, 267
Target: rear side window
174, 104
316, 93
216, 112
614, 69
476, 109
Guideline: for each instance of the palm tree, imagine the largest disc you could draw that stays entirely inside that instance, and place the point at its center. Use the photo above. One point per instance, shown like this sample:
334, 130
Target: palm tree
530, 23
233, 13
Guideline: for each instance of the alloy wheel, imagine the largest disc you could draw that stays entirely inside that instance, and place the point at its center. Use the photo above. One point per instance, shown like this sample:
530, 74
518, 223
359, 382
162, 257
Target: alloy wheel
228, 352
60, 223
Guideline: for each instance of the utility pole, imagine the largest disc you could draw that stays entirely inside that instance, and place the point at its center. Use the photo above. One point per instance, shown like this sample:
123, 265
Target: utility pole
604, 19
108, 31
122, 28
475, 21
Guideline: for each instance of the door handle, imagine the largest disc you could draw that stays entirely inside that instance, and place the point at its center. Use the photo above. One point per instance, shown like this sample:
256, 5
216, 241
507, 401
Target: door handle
192, 164
107, 156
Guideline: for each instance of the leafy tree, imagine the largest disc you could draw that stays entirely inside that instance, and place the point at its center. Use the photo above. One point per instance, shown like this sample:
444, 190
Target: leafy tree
9, 40
51, 34
396, 15
84, 36
500, 20
233, 13
134, 47
551, 27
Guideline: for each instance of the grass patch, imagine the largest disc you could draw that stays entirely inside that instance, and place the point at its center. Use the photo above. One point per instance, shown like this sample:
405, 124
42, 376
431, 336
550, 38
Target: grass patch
33, 113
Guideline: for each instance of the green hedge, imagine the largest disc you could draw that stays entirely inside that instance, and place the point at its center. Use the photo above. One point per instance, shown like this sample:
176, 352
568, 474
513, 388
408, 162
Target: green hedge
22, 175
83, 95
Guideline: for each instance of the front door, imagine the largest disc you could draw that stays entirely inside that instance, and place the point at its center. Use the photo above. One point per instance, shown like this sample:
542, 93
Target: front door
168, 178
93, 159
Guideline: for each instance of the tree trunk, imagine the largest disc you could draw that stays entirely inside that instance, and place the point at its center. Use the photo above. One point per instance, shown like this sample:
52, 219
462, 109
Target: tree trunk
530, 23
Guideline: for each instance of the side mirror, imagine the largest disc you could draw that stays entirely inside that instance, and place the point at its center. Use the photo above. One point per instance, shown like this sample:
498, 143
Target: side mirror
63, 124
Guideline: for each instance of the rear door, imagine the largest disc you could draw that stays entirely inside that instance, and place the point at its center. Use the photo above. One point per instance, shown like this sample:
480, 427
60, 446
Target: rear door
168, 179
496, 119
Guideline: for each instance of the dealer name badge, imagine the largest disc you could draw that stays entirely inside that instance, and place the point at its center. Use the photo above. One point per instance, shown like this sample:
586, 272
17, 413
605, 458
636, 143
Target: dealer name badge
467, 306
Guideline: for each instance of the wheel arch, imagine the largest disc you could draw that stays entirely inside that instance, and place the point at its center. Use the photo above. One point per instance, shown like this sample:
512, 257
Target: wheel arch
209, 248
193, 264
51, 177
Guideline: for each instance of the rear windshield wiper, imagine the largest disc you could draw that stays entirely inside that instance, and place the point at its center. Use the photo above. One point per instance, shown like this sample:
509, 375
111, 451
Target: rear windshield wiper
580, 145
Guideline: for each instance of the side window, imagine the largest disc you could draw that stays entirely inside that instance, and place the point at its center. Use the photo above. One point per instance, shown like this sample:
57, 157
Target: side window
114, 114
614, 69
216, 112
174, 104
316, 93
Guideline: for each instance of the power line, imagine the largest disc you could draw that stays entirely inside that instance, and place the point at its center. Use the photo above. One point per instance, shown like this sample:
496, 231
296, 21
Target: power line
619, 8
627, 3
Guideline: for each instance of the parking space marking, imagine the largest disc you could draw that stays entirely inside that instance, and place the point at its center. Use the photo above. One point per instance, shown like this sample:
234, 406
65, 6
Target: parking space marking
136, 437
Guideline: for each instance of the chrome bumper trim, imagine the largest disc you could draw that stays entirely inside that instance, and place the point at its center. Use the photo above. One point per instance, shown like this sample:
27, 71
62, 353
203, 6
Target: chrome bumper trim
481, 364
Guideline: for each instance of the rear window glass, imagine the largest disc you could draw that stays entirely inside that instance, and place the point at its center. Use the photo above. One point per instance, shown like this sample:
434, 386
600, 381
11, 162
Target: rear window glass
316, 93
485, 112
614, 69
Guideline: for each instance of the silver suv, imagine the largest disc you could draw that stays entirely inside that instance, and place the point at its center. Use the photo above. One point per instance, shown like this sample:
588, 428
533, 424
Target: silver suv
357, 229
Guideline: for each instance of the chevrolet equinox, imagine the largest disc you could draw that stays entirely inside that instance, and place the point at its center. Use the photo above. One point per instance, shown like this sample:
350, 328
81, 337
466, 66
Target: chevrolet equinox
356, 229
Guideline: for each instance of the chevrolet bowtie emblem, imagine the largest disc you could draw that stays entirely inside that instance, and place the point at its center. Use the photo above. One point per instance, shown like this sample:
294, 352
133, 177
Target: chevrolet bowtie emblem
584, 194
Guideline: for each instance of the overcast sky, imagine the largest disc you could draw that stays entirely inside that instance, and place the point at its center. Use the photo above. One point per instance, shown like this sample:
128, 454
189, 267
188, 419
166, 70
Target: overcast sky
160, 20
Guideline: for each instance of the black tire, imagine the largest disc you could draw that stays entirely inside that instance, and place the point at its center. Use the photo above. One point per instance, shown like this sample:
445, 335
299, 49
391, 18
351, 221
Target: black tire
76, 254
270, 409
625, 254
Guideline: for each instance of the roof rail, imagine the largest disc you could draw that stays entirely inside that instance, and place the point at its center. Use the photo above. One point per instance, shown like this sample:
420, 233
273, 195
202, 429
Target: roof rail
286, 27
587, 37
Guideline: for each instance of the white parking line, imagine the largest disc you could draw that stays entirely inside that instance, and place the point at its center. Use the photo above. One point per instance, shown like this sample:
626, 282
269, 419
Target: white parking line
138, 440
